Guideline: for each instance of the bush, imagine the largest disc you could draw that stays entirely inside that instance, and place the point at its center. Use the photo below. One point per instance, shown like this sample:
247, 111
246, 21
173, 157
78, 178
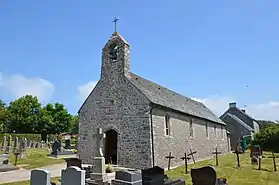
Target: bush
268, 138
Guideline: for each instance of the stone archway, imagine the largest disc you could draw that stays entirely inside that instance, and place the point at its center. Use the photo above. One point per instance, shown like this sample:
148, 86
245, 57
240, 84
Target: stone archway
111, 146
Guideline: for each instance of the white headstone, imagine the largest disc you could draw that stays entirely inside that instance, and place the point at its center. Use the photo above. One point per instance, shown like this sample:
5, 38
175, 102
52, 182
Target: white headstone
73, 176
40, 177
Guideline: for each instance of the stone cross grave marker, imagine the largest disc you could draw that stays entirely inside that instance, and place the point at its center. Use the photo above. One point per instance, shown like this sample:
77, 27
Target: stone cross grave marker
40, 177
15, 145
274, 161
216, 156
192, 155
185, 158
73, 176
99, 140
169, 157
237, 152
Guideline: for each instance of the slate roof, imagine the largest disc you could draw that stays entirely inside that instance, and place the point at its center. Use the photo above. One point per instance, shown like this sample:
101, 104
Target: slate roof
162, 96
239, 121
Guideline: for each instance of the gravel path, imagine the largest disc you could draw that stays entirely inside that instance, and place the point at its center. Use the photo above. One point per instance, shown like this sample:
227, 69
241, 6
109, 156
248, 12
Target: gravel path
22, 174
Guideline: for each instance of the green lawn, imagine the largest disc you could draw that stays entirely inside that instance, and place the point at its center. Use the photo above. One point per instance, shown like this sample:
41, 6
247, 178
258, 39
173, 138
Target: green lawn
247, 174
35, 158
28, 182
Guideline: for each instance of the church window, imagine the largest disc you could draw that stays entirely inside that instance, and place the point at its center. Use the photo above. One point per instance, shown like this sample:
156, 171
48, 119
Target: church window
215, 133
223, 130
206, 130
167, 125
191, 128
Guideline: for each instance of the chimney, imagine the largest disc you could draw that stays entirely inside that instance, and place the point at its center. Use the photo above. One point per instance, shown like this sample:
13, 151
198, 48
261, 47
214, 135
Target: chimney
232, 105
243, 110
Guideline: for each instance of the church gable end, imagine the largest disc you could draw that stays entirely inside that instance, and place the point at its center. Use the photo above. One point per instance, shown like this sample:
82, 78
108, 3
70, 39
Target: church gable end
120, 109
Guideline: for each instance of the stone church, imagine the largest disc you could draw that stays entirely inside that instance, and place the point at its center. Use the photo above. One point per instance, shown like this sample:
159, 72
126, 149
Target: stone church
143, 122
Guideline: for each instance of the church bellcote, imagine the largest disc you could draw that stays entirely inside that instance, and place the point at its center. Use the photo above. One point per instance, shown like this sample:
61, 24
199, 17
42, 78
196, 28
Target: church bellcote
115, 57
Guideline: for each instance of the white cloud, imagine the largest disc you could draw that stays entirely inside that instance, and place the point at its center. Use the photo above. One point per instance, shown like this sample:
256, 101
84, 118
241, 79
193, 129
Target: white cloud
266, 111
19, 85
85, 90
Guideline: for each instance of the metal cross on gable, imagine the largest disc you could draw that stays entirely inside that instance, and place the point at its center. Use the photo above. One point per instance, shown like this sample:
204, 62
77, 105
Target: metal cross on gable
115, 23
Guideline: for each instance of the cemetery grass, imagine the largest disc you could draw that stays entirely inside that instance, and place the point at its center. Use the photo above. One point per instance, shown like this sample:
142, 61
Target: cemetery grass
35, 158
27, 182
247, 174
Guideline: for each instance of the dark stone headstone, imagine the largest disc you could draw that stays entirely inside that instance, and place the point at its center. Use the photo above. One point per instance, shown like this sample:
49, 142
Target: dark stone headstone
73, 162
127, 177
153, 176
67, 144
203, 176
55, 147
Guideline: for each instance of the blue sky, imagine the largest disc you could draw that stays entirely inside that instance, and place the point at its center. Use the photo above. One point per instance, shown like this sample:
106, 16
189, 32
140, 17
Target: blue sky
207, 50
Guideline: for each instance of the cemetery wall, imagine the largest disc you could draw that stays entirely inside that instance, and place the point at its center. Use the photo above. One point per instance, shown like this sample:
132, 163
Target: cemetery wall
116, 104
33, 137
179, 141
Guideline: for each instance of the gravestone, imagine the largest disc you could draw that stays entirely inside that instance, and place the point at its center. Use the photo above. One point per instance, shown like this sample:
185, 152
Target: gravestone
73, 162
55, 147
216, 156
22, 148
255, 154
9, 144
40, 177
153, 176
37, 145
15, 149
203, 176
4, 143
32, 144
127, 177
99, 175
42, 144
73, 176
67, 144
25, 143
192, 155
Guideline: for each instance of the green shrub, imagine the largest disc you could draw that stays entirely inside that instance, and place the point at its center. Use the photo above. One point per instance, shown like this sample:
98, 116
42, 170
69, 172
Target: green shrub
268, 138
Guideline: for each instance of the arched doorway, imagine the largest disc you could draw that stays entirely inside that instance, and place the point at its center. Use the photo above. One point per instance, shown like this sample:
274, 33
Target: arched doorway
111, 147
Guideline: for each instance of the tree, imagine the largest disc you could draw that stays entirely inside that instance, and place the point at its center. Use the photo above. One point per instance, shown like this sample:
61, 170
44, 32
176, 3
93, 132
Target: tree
264, 123
23, 115
3, 113
74, 124
268, 138
55, 119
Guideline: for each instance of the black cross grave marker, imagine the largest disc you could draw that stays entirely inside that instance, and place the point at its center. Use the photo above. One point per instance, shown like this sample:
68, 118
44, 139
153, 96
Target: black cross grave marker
169, 157
274, 161
260, 162
237, 152
185, 158
192, 154
216, 156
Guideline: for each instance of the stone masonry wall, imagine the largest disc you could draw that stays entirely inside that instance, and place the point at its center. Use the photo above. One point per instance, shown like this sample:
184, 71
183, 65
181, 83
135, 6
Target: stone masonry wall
117, 104
179, 141
121, 107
